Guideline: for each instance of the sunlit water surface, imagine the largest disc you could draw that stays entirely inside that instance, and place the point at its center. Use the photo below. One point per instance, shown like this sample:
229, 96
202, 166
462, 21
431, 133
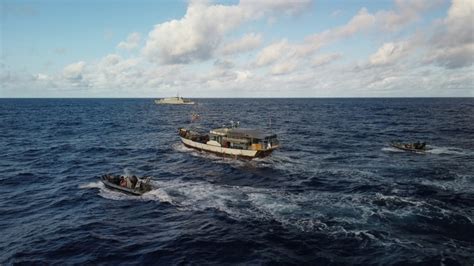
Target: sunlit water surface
335, 193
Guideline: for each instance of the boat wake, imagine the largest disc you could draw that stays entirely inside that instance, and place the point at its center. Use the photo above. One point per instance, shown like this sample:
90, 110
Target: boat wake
97, 184
391, 149
105, 192
437, 150
240, 203
449, 150
307, 211
156, 194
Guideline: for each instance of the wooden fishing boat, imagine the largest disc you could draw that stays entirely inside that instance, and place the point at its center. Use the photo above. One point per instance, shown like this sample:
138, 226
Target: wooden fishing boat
232, 141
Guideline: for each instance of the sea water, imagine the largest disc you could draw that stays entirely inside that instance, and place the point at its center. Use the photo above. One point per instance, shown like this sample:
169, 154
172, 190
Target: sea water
334, 193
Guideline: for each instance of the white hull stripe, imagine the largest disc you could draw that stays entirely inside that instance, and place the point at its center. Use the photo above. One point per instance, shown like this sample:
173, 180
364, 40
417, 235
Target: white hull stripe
216, 149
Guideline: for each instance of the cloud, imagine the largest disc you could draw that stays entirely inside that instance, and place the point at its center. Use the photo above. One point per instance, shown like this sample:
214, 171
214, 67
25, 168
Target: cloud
223, 64
42, 77
122, 76
452, 44
266, 7
325, 59
272, 53
388, 53
132, 42
402, 62
284, 51
284, 67
111, 71
288, 55
404, 13
452, 57
243, 76
285, 56
12, 78
362, 21
197, 35
115, 71
111, 60
74, 72
247, 43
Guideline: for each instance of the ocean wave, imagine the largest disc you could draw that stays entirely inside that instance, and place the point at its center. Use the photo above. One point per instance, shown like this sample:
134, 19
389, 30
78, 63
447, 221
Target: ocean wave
334, 193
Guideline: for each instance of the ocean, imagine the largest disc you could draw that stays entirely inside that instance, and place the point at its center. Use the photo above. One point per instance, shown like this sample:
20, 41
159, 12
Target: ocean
335, 193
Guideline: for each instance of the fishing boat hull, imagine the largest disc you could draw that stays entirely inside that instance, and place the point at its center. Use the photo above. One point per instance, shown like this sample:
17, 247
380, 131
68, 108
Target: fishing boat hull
401, 146
227, 152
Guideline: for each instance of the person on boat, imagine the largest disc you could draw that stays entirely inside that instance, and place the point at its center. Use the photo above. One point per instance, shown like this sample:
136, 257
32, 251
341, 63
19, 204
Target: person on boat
129, 182
123, 181
423, 145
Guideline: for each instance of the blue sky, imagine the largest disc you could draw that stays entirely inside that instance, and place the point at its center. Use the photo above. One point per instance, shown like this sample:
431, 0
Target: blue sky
247, 48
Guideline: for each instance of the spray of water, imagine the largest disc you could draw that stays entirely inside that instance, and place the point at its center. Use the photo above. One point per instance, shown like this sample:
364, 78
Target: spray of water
127, 172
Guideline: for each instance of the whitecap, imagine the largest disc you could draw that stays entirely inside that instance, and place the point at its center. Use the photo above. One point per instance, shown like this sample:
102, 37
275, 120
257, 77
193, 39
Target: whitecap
96, 184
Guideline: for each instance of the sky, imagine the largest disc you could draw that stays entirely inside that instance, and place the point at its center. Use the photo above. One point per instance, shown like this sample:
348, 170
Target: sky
246, 48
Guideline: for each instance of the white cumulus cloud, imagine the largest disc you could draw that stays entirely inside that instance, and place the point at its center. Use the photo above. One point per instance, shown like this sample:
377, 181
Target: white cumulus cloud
195, 36
132, 42
74, 72
198, 35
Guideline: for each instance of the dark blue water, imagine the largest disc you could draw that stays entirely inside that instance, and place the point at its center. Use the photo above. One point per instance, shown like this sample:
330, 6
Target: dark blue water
335, 193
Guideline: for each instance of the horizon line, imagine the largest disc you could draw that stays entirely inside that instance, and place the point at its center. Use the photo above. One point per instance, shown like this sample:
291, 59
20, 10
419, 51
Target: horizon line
321, 97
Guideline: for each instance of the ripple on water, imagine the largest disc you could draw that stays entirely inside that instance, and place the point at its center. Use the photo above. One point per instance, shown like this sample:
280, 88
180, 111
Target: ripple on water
334, 193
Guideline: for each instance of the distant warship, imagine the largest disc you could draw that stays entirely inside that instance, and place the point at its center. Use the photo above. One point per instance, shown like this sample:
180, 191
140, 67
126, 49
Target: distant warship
174, 100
